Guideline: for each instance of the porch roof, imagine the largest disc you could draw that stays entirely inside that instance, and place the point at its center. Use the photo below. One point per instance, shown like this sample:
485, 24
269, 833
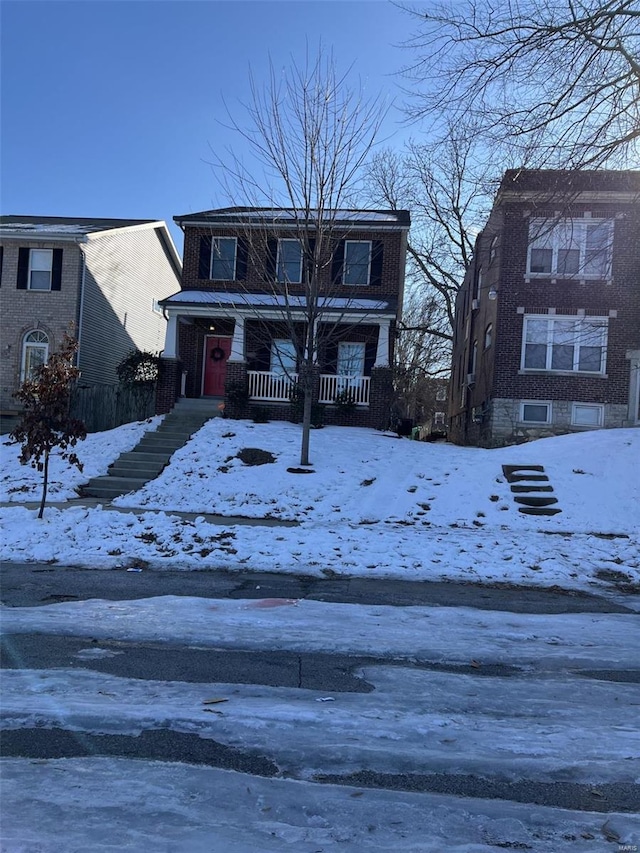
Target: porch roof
251, 301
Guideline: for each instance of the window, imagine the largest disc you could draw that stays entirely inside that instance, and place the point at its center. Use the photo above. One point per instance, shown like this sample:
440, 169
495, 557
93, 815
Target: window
587, 414
35, 351
223, 258
576, 344
40, 269
477, 288
441, 394
350, 363
357, 262
289, 263
488, 336
473, 363
283, 357
493, 249
438, 419
534, 412
578, 248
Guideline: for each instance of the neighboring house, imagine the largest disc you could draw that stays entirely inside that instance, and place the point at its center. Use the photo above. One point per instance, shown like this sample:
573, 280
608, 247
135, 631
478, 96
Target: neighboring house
99, 279
547, 332
242, 303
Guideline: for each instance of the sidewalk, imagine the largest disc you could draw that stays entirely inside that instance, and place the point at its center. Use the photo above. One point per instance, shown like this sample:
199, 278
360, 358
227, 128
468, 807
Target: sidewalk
94, 503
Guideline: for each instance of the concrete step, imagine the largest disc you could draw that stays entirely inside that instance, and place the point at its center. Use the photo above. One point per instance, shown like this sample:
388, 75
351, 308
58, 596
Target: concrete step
535, 500
111, 487
137, 469
152, 458
160, 441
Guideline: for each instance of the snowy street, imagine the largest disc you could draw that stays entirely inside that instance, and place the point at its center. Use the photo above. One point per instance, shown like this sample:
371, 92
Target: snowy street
386, 655
227, 722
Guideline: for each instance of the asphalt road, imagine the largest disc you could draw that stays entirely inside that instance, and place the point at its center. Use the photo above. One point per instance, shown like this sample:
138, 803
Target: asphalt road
40, 585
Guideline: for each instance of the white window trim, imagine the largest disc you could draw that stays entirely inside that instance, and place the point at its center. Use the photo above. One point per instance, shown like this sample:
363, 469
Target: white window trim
603, 321
214, 240
546, 403
354, 283
41, 289
288, 280
27, 344
580, 226
598, 406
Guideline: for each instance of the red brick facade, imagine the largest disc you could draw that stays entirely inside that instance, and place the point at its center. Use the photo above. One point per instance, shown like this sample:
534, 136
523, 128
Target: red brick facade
363, 313
486, 408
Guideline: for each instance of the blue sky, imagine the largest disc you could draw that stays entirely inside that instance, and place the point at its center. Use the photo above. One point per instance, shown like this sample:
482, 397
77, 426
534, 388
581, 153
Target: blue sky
112, 108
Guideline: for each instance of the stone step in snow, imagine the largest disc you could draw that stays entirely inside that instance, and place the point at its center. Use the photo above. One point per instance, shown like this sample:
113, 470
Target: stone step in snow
526, 482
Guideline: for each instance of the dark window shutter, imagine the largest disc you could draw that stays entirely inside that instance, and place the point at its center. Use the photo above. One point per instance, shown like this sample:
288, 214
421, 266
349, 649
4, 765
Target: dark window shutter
1, 260
309, 257
330, 360
204, 265
370, 351
272, 256
23, 269
56, 270
241, 259
337, 263
376, 263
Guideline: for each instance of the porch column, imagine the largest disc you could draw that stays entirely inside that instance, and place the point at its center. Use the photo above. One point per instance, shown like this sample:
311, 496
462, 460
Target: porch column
382, 352
237, 344
171, 337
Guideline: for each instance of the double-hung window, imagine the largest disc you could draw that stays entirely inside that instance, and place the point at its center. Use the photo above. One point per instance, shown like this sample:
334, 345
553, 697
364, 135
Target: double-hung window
567, 344
570, 248
357, 262
40, 269
223, 258
289, 262
283, 357
350, 364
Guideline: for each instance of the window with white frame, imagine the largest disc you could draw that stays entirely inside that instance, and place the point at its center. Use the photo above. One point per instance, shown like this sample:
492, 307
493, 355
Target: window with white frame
573, 344
283, 357
438, 419
40, 269
587, 414
35, 352
572, 248
289, 263
350, 362
535, 412
441, 394
223, 258
357, 262
488, 336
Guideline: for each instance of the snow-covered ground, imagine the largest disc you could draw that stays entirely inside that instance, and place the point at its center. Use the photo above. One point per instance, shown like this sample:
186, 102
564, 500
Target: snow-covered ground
374, 505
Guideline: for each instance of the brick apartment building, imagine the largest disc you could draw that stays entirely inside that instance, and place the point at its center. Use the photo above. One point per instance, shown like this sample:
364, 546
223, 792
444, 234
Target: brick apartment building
547, 331
238, 326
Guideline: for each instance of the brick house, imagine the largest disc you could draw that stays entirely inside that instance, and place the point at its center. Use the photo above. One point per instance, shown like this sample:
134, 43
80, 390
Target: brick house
547, 330
238, 326
100, 279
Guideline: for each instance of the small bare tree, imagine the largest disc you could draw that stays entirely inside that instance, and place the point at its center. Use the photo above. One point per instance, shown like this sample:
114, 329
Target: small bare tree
558, 79
46, 425
310, 135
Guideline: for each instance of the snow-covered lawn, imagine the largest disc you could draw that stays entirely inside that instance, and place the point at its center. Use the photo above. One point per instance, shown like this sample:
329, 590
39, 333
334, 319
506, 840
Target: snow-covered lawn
96, 452
374, 505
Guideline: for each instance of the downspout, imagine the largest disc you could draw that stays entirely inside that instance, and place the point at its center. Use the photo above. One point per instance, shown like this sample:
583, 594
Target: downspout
83, 277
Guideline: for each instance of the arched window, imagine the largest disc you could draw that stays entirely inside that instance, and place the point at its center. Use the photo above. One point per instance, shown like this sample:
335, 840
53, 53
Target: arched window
488, 336
35, 352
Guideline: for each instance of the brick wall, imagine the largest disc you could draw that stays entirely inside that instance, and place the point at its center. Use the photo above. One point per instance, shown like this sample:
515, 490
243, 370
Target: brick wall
54, 312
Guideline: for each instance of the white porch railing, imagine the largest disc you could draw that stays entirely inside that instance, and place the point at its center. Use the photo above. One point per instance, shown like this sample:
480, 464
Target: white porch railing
356, 386
274, 387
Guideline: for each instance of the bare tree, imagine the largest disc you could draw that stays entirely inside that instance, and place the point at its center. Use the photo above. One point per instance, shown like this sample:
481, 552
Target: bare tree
448, 194
310, 135
559, 79
46, 424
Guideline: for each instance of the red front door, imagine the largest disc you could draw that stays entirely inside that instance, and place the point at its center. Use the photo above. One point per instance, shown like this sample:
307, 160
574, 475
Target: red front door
216, 353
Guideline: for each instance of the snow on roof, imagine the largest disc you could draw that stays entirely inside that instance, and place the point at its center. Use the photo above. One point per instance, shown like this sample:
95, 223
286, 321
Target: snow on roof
63, 226
279, 214
272, 300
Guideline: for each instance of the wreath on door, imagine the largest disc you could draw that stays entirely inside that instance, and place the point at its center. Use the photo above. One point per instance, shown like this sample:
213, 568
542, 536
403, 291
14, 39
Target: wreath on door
217, 354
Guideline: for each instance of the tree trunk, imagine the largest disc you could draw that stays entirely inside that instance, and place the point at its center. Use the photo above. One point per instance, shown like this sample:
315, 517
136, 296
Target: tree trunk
45, 482
306, 425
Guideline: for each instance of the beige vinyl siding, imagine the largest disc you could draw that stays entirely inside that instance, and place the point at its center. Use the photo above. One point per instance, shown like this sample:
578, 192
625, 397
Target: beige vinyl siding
126, 271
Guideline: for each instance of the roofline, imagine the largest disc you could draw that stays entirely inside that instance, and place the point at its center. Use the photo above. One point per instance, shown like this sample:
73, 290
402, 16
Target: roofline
227, 216
576, 197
